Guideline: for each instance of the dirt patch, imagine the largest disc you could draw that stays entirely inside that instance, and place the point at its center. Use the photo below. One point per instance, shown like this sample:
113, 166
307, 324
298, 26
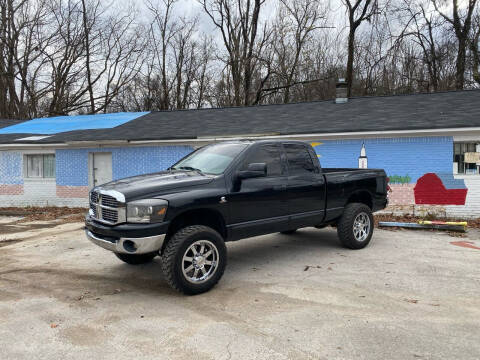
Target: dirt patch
63, 214
35, 218
17, 227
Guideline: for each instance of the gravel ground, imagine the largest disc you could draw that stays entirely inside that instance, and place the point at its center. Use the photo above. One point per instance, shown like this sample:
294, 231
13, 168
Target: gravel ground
409, 295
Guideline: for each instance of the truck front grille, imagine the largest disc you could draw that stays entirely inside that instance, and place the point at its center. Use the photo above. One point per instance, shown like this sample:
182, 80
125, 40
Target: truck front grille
109, 201
107, 208
110, 215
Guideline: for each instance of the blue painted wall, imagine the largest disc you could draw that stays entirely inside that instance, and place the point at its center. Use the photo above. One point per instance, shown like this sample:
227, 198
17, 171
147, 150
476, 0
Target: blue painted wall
11, 168
72, 164
411, 157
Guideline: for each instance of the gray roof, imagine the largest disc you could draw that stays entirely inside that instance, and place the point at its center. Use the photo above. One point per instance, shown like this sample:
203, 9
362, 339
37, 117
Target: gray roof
455, 109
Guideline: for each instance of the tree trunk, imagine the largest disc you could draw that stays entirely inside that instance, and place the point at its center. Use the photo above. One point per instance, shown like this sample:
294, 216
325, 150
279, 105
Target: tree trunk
351, 51
460, 65
87, 60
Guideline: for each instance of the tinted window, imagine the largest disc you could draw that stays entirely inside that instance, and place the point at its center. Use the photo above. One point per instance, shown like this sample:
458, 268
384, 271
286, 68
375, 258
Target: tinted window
268, 154
299, 160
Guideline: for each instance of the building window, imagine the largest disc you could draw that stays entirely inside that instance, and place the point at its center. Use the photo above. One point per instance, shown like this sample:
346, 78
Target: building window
466, 158
40, 166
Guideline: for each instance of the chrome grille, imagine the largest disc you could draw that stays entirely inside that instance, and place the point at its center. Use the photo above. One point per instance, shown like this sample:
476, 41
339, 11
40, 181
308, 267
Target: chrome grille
110, 215
107, 206
93, 207
109, 201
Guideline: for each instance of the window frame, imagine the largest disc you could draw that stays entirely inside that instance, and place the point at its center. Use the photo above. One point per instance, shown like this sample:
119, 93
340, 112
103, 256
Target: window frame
464, 147
43, 155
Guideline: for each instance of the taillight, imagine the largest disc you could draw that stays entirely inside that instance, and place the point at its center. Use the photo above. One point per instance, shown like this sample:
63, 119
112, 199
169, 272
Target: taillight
388, 186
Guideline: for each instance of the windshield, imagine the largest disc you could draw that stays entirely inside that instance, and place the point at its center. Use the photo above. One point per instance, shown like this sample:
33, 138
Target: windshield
212, 159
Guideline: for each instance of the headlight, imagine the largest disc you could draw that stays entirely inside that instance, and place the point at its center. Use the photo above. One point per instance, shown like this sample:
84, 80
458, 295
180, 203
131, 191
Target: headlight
146, 211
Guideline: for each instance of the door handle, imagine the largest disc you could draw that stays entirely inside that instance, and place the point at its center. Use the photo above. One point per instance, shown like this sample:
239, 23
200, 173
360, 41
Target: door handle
280, 187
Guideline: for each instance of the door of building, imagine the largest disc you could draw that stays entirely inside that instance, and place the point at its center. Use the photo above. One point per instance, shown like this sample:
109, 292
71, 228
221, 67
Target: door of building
100, 168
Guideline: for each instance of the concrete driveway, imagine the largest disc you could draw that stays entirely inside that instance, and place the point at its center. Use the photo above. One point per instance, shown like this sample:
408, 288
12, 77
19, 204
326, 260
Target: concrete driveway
409, 295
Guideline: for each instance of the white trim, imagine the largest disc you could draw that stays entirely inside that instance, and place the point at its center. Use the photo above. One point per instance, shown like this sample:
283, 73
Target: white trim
466, 138
39, 180
38, 152
456, 132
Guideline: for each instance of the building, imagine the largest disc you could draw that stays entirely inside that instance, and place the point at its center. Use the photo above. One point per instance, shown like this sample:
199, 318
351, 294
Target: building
427, 143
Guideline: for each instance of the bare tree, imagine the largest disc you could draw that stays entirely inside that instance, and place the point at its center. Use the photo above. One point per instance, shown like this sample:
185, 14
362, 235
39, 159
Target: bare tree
461, 22
475, 48
358, 11
295, 26
238, 22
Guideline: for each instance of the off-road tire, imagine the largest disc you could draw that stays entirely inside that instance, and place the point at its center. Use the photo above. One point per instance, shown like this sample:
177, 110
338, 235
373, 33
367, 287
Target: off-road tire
346, 223
289, 232
175, 249
138, 259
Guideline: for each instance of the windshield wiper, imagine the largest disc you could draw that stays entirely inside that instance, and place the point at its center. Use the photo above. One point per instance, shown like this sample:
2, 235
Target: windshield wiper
189, 168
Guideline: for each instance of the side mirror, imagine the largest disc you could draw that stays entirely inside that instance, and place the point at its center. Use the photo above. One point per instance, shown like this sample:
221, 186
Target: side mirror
254, 170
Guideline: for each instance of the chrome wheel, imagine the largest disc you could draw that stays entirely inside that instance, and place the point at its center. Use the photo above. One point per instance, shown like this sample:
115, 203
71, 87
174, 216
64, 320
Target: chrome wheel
361, 227
200, 261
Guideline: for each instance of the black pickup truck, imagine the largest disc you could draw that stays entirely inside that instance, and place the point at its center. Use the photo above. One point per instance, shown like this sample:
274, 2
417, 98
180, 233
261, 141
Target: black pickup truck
229, 191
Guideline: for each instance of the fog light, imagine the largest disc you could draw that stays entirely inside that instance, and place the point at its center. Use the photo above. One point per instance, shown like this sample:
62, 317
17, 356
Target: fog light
129, 246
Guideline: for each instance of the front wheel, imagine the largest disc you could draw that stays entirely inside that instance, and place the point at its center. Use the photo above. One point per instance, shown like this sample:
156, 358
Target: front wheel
194, 259
355, 227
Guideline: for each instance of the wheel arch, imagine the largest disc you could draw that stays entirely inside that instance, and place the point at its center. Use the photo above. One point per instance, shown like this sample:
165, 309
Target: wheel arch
362, 197
200, 216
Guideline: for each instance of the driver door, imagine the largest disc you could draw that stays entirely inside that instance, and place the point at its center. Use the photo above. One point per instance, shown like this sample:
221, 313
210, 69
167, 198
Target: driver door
259, 205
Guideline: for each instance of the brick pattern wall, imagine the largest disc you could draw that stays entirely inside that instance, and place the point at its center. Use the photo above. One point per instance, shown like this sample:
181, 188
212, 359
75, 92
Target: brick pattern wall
405, 158
6, 189
70, 188
401, 194
72, 191
11, 168
471, 209
72, 164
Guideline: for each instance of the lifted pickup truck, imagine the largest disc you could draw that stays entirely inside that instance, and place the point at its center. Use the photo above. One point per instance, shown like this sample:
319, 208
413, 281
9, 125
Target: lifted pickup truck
229, 191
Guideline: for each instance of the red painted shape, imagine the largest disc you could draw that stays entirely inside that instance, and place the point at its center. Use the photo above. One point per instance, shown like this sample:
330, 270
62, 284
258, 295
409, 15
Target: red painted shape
430, 190
465, 244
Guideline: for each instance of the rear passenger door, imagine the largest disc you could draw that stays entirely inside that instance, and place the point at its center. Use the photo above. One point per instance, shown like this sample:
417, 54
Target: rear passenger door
306, 187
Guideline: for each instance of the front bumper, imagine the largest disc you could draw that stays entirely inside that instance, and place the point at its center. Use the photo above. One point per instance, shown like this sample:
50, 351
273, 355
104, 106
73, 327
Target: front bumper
126, 238
127, 245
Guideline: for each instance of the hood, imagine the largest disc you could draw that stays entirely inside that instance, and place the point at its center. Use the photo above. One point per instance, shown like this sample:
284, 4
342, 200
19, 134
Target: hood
143, 186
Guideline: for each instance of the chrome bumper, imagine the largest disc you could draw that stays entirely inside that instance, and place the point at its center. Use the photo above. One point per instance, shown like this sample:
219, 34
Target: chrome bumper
128, 245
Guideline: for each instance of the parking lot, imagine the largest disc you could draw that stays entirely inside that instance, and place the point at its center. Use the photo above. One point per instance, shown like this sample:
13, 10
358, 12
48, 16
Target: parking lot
409, 295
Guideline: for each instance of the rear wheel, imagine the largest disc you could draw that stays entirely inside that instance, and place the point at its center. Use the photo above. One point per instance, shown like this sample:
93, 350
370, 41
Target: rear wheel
289, 232
355, 227
194, 259
138, 259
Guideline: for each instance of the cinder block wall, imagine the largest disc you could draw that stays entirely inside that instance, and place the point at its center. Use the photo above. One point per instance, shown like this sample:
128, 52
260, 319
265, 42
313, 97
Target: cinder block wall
406, 160
70, 186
